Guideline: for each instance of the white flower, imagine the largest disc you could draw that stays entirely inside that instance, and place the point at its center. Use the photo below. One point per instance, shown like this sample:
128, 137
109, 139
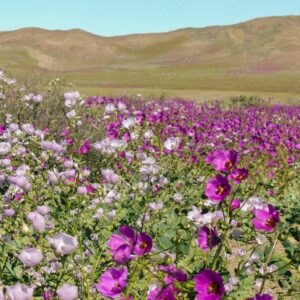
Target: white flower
254, 257
28, 128
31, 257
43, 210
4, 148
19, 292
38, 221
64, 243
121, 106
194, 214
261, 239
148, 134
156, 206
71, 114
110, 108
112, 214
253, 202
71, 98
129, 122
172, 143
178, 197
67, 292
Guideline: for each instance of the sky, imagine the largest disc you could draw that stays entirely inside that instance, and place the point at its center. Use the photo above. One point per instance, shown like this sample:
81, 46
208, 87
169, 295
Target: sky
120, 17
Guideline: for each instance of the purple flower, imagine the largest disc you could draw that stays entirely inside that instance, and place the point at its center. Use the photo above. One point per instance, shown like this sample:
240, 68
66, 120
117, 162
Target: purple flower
121, 245
48, 295
113, 282
161, 293
207, 238
143, 244
209, 285
85, 148
238, 175
235, 204
174, 274
266, 219
217, 188
261, 297
222, 160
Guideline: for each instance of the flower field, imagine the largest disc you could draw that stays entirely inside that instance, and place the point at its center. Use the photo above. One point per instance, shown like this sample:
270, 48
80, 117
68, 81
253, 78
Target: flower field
133, 198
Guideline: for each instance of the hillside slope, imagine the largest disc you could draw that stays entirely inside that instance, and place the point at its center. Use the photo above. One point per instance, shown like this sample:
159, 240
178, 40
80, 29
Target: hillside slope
258, 55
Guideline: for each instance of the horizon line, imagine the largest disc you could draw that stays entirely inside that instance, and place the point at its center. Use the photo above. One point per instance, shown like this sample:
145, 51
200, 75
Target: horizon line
147, 33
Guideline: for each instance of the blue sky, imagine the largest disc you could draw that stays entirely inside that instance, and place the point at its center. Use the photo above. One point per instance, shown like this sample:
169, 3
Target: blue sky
118, 17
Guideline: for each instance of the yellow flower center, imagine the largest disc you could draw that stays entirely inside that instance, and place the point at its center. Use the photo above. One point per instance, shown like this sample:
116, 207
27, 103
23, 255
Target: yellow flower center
213, 288
270, 222
221, 189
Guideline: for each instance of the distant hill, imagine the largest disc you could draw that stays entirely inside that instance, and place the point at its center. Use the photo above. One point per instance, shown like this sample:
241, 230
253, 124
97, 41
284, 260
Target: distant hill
260, 55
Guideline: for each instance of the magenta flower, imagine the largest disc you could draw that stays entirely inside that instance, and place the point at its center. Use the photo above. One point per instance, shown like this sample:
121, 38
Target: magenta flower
174, 274
266, 219
217, 188
209, 285
2, 129
85, 148
113, 282
238, 175
235, 204
48, 295
222, 160
143, 244
122, 245
207, 238
261, 297
161, 293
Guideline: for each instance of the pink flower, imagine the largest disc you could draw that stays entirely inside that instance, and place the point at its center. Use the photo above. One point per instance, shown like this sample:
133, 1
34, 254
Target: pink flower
266, 219
207, 238
222, 160
143, 244
113, 282
238, 175
235, 204
209, 285
85, 148
217, 188
121, 245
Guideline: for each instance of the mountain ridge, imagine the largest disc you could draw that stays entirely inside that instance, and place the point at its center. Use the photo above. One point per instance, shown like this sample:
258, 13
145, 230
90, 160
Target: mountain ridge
236, 57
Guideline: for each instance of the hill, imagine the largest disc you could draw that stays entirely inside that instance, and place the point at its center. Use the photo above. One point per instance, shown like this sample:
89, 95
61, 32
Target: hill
259, 56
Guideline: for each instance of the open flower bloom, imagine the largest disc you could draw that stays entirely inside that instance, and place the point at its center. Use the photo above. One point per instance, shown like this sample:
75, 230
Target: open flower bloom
238, 175
209, 285
121, 245
31, 257
162, 293
19, 292
207, 238
67, 292
222, 160
64, 243
266, 219
113, 282
217, 188
174, 274
143, 244
261, 297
